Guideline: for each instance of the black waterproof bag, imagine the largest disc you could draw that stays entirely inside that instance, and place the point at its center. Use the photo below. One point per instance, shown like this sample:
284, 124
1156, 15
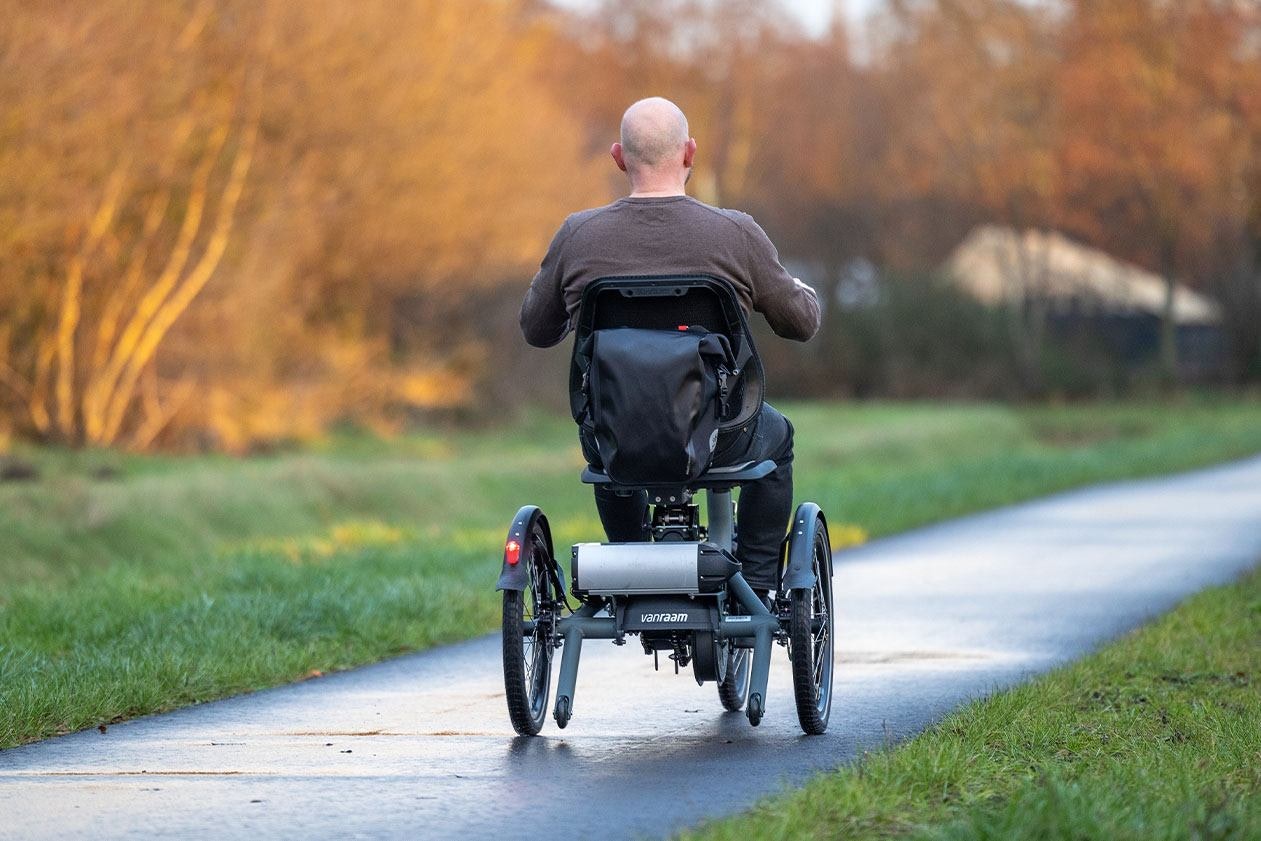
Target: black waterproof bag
654, 401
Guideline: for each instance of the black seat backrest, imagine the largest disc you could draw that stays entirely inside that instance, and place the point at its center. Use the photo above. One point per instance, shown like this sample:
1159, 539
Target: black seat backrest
665, 303
616, 305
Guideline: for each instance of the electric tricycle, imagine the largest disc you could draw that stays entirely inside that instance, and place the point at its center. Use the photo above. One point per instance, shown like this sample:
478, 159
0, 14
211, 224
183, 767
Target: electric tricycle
680, 590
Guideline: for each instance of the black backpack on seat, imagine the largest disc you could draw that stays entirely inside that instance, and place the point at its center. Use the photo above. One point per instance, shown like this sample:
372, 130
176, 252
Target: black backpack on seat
655, 398
660, 367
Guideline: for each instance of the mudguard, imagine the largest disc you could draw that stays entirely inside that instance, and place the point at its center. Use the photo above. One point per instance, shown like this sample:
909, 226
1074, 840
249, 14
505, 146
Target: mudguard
513, 576
799, 567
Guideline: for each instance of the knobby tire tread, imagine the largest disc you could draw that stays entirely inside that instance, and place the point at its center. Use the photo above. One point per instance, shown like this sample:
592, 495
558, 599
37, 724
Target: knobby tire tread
518, 694
803, 665
730, 689
801, 641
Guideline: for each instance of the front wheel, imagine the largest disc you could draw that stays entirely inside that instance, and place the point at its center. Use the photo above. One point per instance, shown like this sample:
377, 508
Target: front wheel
527, 636
811, 641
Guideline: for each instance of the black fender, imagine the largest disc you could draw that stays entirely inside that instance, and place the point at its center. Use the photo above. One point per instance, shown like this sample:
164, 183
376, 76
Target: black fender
513, 576
798, 573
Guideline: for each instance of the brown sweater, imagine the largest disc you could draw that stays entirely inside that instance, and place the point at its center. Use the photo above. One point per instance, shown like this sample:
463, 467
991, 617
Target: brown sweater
656, 236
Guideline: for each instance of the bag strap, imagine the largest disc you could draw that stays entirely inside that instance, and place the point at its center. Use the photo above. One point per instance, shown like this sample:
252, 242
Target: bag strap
580, 403
726, 368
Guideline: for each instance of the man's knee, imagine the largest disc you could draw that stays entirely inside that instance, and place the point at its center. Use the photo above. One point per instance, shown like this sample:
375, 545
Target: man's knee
778, 435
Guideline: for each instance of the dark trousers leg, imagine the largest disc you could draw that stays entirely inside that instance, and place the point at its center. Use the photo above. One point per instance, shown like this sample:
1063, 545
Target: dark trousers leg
765, 505
624, 518
624, 515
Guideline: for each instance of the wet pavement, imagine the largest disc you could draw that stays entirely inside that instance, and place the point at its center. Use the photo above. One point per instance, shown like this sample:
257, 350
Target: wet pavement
420, 746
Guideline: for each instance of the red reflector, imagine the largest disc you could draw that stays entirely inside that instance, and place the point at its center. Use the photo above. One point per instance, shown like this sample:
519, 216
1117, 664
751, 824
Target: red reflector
512, 552
682, 326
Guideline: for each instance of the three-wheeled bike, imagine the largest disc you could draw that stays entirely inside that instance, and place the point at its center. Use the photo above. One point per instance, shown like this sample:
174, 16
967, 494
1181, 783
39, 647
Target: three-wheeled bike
679, 590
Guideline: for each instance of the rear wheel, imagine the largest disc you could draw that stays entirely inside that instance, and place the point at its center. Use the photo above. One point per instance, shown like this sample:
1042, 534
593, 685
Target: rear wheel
811, 642
528, 617
733, 689
709, 657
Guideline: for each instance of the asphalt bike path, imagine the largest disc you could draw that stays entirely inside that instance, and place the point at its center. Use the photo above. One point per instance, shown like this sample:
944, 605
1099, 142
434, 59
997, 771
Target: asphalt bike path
420, 746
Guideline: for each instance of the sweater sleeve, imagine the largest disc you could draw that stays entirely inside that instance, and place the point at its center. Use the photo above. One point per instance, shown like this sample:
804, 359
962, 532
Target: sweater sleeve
544, 320
790, 306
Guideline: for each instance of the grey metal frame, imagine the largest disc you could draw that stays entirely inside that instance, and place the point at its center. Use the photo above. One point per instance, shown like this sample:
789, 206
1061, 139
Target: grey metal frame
760, 624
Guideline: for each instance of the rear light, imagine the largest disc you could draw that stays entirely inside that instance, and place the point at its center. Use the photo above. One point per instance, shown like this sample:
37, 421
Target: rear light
512, 552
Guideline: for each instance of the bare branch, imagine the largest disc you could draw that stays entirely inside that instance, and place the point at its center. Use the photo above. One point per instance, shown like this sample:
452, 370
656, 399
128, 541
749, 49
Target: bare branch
104, 387
191, 286
38, 408
122, 292
70, 301
196, 25
16, 382
159, 417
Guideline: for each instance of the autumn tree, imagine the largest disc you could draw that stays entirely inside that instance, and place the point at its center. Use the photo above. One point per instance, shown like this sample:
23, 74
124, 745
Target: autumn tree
213, 208
975, 132
125, 207
1153, 149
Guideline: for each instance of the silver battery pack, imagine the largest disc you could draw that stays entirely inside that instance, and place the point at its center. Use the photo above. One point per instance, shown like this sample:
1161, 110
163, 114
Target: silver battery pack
612, 569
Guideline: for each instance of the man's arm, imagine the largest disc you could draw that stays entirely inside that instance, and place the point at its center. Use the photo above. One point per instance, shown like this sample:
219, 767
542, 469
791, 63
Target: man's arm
544, 320
790, 306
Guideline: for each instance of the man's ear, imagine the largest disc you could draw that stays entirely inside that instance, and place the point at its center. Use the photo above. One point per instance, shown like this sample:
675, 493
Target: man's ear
689, 152
616, 152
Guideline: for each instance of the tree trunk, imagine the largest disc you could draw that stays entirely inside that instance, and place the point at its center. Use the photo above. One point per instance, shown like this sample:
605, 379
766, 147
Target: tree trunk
1168, 338
1168, 326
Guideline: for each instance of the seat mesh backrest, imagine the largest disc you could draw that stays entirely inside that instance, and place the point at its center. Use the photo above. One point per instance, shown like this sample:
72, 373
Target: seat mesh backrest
697, 307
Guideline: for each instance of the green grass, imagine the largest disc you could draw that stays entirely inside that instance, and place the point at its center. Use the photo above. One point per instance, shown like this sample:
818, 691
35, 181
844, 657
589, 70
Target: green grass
1157, 736
135, 584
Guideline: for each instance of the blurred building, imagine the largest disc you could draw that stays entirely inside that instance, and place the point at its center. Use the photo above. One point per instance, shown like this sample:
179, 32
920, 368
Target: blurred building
1089, 294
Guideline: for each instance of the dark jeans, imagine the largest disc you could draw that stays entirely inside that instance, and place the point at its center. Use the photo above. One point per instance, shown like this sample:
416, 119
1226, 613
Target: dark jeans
764, 505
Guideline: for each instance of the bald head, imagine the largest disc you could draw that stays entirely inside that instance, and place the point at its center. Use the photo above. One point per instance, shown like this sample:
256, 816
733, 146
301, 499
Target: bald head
655, 149
654, 131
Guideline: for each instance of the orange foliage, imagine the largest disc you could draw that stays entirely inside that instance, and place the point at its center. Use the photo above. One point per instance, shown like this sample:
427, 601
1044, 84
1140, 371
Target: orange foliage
209, 208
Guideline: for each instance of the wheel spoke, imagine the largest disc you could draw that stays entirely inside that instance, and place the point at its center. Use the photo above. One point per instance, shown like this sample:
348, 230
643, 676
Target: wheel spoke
529, 611
533, 647
820, 659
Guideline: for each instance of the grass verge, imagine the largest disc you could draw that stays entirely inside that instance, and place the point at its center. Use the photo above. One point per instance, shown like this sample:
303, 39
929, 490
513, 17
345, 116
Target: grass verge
1157, 736
131, 585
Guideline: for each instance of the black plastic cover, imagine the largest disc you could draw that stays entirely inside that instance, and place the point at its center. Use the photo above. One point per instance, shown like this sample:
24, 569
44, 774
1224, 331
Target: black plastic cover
713, 567
667, 613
